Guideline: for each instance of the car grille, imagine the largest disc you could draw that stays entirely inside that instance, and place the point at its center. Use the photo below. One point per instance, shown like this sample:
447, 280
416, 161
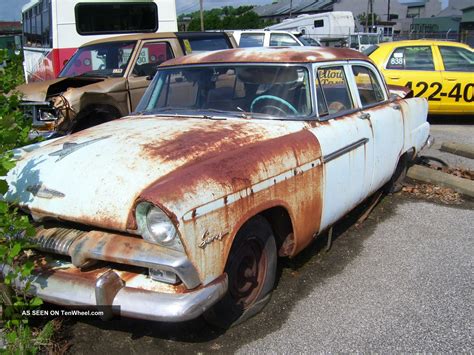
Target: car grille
56, 239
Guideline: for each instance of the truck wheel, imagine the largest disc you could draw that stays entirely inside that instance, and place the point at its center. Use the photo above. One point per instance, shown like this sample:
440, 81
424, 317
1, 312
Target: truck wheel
93, 119
251, 270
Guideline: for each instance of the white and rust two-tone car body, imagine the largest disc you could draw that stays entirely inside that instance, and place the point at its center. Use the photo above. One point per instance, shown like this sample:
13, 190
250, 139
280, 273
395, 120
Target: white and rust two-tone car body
232, 159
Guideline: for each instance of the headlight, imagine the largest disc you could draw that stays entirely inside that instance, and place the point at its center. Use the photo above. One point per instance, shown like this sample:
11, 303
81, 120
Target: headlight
47, 115
155, 226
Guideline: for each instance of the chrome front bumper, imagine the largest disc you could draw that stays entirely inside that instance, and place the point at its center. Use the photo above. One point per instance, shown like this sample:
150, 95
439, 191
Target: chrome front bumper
429, 143
72, 289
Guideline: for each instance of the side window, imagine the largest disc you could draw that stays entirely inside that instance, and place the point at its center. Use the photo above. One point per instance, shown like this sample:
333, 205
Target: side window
457, 59
203, 44
282, 40
369, 87
251, 40
151, 55
411, 58
318, 23
177, 90
332, 91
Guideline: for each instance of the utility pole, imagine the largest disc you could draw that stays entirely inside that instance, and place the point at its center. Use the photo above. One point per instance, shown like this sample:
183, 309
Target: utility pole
201, 13
388, 11
291, 7
372, 12
367, 17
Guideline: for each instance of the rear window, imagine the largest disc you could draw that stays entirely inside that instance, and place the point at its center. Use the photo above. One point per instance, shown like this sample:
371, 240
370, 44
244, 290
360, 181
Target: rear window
370, 49
102, 18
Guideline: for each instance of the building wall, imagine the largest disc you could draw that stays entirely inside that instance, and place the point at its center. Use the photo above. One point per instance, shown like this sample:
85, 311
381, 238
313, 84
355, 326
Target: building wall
430, 8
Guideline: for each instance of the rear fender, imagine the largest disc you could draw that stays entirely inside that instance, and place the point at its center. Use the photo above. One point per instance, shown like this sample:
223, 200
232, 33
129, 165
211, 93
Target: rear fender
417, 129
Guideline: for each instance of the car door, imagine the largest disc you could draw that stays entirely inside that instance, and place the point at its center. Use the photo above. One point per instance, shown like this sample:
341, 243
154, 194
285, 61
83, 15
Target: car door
386, 121
150, 55
346, 142
414, 67
457, 95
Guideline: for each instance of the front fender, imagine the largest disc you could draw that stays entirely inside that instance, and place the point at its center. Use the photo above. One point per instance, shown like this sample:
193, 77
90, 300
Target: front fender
212, 199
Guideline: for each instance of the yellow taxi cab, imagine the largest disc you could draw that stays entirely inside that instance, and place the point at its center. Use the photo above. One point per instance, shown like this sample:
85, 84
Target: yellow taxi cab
440, 71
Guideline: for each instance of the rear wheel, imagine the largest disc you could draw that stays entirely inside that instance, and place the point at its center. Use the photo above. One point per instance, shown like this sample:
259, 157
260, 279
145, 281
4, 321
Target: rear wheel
251, 270
395, 184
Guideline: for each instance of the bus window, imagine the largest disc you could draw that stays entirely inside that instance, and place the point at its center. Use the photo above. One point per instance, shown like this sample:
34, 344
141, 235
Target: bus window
99, 18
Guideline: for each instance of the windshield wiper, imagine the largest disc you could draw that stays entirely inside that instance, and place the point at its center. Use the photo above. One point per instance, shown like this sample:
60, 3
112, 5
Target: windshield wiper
90, 74
193, 113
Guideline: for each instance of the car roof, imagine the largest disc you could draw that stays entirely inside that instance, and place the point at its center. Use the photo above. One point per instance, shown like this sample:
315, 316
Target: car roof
262, 30
424, 42
159, 35
279, 55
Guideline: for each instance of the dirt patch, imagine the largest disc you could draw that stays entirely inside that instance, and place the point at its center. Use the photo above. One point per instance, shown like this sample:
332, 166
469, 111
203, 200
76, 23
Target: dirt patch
433, 193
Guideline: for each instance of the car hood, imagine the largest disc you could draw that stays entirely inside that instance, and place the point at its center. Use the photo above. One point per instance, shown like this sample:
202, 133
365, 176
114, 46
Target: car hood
41, 90
96, 176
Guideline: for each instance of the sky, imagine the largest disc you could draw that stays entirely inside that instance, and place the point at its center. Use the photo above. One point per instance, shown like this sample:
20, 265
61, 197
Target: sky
10, 10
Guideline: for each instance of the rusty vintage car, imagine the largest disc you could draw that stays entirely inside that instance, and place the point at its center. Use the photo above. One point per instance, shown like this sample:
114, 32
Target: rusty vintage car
105, 79
233, 159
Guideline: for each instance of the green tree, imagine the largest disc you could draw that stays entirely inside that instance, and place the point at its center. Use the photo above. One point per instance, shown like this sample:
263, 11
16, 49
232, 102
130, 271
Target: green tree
363, 17
226, 18
15, 229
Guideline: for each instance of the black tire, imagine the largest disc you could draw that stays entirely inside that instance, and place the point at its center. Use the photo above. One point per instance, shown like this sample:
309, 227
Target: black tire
94, 119
396, 182
251, 270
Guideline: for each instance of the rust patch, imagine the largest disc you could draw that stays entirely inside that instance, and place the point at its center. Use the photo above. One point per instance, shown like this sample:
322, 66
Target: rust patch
207, 140
233, 170
269, 55
288, 246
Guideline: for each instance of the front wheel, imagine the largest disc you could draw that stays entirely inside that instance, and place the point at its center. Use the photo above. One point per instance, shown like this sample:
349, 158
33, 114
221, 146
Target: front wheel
251, 270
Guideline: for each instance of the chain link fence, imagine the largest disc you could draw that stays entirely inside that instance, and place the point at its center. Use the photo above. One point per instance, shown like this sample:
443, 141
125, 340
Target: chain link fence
464, 36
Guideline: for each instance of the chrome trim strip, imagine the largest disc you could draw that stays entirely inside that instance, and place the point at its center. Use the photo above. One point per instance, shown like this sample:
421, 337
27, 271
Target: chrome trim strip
262, 185
336, 154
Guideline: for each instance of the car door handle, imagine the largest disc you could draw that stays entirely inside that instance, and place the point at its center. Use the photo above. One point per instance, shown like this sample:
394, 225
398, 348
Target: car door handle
394, 77
452, 79
364, 116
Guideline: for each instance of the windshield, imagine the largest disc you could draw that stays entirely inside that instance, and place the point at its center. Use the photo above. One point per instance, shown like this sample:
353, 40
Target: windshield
244, 90
103, 60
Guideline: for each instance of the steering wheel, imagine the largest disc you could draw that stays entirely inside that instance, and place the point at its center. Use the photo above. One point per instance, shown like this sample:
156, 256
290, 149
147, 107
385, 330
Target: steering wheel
285, 103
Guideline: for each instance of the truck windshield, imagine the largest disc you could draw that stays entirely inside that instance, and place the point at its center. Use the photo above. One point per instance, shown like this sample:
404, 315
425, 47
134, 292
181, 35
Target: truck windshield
103, 60
245, 90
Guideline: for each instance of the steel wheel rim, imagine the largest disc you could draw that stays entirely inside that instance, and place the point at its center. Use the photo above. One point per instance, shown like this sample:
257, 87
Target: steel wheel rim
247, 272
